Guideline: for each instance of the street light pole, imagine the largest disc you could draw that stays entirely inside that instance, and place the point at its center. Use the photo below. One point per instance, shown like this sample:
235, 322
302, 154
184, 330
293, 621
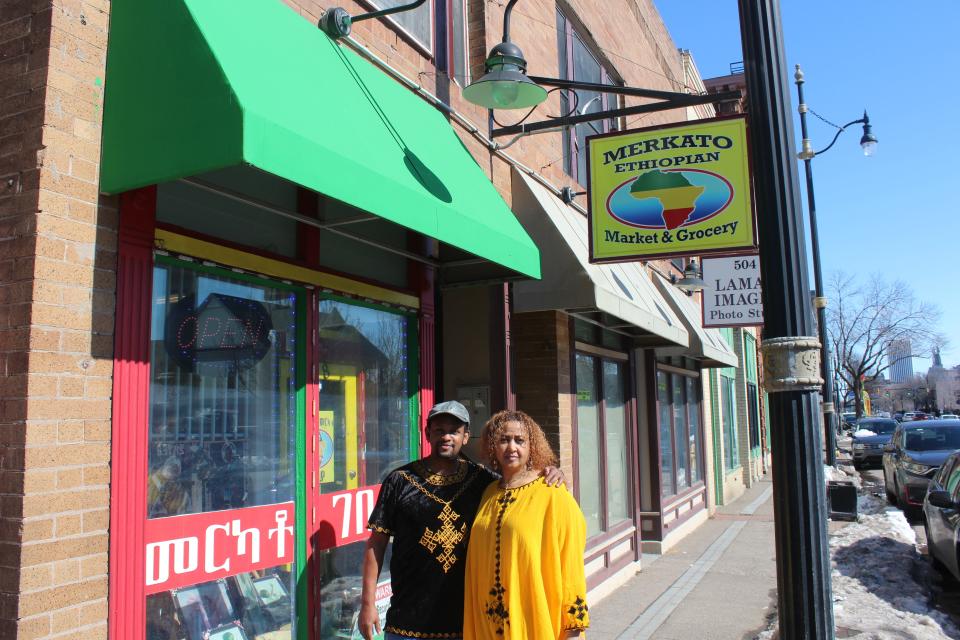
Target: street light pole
820, 302
790, 348
869, 143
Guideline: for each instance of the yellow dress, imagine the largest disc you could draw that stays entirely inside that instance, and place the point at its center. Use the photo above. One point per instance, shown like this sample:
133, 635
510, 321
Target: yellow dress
525, 578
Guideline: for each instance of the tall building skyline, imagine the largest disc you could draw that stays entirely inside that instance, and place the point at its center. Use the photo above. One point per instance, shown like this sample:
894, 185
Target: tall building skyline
900, 359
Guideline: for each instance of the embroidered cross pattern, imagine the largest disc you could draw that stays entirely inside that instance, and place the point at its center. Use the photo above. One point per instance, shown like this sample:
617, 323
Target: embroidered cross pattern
578, 609
496, 609
447, 537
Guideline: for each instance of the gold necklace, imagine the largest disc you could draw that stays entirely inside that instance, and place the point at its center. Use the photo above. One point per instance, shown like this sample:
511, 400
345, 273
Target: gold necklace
446, 536
525, 477
438, 479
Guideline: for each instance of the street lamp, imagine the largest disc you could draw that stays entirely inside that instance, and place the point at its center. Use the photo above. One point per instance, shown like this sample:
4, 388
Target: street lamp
868, 142
506, 85
691, 281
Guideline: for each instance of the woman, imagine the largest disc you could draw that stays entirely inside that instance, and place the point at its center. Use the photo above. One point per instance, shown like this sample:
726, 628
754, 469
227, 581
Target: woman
525, 578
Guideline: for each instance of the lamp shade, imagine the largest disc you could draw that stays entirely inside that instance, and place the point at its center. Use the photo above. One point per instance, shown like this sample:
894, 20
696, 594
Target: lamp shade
505, 89
869, 141
691, 280
505, 85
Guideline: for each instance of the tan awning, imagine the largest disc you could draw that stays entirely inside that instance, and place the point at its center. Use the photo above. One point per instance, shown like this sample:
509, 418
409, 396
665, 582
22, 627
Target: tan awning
619, 297
706, 345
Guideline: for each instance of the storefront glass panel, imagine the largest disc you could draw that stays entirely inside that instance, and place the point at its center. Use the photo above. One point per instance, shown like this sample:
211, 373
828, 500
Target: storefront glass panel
588, 443
364, 433
680, 431
222, 440
696, 439
666, 435
615, 417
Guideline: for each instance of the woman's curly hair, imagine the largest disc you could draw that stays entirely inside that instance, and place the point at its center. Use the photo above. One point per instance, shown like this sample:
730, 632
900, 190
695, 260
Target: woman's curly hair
541, 454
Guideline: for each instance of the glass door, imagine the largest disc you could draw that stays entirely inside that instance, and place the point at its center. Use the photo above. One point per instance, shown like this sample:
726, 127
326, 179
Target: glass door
365, 427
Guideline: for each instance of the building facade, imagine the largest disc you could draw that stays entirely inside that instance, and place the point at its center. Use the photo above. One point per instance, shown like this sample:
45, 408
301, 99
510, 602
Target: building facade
236, 269
900, 361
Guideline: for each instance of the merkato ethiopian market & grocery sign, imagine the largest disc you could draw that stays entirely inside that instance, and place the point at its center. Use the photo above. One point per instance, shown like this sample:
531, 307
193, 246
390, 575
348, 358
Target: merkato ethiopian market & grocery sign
670, 191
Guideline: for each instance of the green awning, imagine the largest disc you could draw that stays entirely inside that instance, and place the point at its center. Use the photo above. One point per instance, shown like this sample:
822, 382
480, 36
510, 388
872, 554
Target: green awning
198, 85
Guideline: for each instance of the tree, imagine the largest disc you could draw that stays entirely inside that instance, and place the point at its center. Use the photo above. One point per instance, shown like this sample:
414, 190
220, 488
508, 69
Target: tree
866, 318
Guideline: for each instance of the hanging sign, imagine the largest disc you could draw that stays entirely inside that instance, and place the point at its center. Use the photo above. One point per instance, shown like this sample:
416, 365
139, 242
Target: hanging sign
671, 191
731, 291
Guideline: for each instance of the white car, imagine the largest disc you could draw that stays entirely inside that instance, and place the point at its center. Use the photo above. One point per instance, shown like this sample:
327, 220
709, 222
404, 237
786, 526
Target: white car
949, 416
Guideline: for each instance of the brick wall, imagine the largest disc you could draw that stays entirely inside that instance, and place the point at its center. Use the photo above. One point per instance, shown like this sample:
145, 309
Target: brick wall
543, 378
57, 245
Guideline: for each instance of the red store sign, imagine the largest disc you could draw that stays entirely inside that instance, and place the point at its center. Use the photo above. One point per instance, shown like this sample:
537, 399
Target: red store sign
342, 516
190, 549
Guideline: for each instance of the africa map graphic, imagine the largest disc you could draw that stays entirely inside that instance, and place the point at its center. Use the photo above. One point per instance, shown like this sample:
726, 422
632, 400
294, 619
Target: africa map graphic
670, 199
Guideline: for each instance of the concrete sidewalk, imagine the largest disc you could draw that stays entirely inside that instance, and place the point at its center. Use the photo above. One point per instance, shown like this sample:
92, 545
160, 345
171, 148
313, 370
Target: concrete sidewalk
718, 582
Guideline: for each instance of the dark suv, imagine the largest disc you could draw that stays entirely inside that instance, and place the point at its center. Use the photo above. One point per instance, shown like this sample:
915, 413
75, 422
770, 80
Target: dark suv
869, 436
914, 454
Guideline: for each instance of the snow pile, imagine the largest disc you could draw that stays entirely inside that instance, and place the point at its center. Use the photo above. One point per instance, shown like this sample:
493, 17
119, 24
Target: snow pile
831, 474
881, 585
863, 433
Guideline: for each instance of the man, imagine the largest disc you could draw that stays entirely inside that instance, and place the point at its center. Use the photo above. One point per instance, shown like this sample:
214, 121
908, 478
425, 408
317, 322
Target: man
427, 507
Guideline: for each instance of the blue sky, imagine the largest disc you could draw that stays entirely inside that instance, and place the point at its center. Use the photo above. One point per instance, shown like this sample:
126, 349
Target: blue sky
897, 213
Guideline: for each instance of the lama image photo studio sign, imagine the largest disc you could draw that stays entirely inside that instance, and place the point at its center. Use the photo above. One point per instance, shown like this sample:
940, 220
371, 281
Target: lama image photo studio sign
731, 292
670, 191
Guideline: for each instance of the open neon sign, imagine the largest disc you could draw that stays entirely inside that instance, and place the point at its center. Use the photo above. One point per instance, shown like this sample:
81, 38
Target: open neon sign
222, 335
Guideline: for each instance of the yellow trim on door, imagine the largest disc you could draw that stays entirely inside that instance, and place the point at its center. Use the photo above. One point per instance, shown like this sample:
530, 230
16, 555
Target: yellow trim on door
179, 243
348, 376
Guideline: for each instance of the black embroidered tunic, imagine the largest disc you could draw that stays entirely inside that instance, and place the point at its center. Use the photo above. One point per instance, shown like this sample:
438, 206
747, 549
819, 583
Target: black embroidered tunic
429, 517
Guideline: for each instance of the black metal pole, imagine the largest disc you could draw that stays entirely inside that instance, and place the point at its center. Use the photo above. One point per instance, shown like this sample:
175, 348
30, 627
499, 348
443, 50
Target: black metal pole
820, 302
791, 373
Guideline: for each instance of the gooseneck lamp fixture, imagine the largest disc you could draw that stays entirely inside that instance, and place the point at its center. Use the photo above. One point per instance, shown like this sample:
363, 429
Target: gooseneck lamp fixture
691, 280
337, 23
506, 85
868, 142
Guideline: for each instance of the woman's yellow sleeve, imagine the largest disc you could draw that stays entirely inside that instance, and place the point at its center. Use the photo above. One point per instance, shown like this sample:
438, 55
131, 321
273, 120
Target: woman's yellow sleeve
573, 540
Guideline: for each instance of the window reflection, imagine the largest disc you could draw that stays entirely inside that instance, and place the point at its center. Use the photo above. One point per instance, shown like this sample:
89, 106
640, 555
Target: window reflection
365, 432
222, 436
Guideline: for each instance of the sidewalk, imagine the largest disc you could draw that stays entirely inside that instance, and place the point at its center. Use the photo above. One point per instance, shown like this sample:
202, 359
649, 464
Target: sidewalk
718, 582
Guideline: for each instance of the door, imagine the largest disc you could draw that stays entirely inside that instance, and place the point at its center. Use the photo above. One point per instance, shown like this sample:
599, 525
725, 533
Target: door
363, 426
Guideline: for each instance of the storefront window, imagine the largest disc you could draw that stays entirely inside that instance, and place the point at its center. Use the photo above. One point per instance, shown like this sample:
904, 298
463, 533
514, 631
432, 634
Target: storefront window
365, 432
588, 443
681, 442
666, 435
222, 444
615, 417
603, 443
731, 453
695, 438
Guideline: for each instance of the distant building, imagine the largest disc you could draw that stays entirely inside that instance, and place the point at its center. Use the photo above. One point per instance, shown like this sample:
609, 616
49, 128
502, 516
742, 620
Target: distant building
900, 358
734, 80
946, 385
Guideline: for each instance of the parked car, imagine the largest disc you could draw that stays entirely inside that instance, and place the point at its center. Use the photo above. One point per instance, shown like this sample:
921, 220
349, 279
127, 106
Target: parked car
848, 419
908, 416
949, 416
914, 454
941, 517
869, 437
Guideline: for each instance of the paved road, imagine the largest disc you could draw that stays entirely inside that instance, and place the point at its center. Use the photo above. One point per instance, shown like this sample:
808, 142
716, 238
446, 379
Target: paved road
946, 597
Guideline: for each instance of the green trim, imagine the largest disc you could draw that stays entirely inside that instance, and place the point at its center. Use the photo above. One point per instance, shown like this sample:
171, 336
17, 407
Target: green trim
413, 384
227, 273
368, 304
312, 112
717, 436
303, 576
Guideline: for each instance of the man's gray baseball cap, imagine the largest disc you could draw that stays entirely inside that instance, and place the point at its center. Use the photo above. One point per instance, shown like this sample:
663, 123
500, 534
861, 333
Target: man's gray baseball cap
450, 407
